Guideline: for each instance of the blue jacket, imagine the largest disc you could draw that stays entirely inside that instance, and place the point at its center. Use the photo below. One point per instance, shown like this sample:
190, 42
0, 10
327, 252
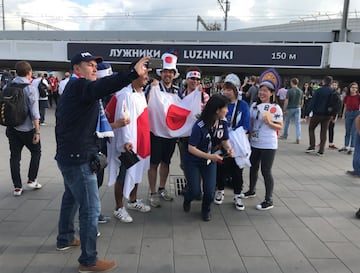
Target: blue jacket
320, 101
77, 114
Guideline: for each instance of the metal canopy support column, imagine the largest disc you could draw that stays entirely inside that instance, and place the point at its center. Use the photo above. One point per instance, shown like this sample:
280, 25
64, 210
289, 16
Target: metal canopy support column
344, 22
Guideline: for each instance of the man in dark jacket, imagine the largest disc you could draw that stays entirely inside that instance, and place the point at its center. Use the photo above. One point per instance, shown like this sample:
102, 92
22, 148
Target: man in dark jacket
77, 145
318, 107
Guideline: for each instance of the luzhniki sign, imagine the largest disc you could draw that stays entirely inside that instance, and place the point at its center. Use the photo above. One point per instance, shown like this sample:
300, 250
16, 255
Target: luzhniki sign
239, 55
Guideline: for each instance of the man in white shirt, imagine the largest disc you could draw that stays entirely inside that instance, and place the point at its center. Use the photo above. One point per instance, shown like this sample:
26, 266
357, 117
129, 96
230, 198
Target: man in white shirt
63, 83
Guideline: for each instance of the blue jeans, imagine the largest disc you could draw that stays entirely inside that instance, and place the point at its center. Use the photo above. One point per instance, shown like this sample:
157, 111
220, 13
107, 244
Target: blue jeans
81, 192
194, 172
350, 130
293, 113
356, 156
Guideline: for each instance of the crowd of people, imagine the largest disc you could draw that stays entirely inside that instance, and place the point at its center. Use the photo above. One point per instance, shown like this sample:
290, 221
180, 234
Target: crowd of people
236, 127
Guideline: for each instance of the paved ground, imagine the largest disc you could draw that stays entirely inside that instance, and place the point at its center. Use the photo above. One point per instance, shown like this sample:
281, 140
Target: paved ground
311, 229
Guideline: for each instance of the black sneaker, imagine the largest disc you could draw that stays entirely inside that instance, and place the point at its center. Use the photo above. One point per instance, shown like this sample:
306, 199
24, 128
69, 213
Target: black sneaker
103, 219
320, 153
310, 150
357, 214
206, 216
249, 194
266, 205
186, 206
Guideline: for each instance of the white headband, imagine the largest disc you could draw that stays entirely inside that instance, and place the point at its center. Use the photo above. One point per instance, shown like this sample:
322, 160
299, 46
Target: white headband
193, 74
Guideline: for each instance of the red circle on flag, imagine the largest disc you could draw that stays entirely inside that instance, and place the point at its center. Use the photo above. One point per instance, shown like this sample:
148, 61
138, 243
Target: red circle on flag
176, 117
272, 110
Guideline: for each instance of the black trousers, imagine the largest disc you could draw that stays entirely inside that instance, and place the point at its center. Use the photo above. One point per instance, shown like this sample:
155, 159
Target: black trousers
17, 141
228, 169
266, 158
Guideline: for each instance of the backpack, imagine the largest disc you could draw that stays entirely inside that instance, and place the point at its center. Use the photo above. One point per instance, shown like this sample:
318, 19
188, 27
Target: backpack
334, 104
5, 79
12, 105
42, 89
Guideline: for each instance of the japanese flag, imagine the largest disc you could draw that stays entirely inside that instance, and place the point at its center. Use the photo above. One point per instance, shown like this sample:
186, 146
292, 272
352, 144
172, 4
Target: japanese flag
132, 105
170, 116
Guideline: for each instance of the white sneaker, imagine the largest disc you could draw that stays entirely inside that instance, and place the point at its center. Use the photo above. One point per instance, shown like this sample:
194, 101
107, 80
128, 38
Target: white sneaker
219, 197
154, 200
33, 185
18, 191
165, 195
123, 215
138, 205
238, 203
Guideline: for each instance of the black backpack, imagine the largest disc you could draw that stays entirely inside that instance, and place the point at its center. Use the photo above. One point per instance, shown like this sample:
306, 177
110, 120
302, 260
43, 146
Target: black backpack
42, 89
12, 105
334, 104
5, 79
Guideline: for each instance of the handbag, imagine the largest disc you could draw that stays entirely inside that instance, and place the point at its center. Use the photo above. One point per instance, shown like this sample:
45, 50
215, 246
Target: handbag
129, 158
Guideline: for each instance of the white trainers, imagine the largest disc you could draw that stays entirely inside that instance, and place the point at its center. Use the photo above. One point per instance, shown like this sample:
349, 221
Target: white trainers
165, 195
33, 185
238, 203
18, 191
123, 215
219, 197
138, 205
154, 200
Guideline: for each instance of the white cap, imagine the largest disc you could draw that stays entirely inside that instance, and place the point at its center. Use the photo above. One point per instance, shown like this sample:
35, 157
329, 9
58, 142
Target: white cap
169, 62
233, 79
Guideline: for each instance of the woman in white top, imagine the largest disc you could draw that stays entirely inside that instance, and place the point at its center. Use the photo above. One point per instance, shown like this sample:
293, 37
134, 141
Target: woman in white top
266, 119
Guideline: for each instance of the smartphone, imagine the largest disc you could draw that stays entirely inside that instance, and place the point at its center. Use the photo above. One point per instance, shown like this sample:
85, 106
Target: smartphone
155, 63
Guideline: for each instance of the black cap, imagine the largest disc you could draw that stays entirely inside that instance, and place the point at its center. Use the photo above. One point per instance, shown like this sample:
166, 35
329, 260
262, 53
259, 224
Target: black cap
84, 57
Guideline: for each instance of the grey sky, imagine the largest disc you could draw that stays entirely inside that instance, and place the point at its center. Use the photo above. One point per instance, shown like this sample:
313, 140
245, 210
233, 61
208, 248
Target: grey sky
166, 15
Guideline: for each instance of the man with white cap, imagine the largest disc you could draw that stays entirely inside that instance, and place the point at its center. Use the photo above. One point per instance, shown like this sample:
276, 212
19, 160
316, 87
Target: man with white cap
162, 149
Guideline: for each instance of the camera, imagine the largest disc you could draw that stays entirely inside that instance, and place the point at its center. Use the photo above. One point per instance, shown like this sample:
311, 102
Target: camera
98, 162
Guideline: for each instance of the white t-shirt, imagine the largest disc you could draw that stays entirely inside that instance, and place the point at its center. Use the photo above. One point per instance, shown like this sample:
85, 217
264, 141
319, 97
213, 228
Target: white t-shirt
262, 136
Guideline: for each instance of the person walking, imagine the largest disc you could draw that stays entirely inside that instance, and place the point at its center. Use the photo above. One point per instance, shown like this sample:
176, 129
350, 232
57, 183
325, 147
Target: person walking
292, 109
319, 109
26, 134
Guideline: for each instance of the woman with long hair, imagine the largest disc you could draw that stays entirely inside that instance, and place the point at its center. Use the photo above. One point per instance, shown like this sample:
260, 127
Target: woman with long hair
208, 143
350, 112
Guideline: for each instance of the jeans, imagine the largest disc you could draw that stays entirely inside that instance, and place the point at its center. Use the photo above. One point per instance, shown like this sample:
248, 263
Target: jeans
350, 130
293, 113
17, 140
324, 123
266, 157
194, 172
356, 156
81, 192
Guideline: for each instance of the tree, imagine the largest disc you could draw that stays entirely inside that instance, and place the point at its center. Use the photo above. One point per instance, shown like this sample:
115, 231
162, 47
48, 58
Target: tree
214, 26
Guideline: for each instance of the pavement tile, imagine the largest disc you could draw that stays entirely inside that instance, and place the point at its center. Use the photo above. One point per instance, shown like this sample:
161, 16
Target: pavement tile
348, 254
261, 264
289, 258
223, 256
308, 243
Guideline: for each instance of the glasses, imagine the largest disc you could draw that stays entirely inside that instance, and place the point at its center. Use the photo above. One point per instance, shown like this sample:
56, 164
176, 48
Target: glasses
194, 79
